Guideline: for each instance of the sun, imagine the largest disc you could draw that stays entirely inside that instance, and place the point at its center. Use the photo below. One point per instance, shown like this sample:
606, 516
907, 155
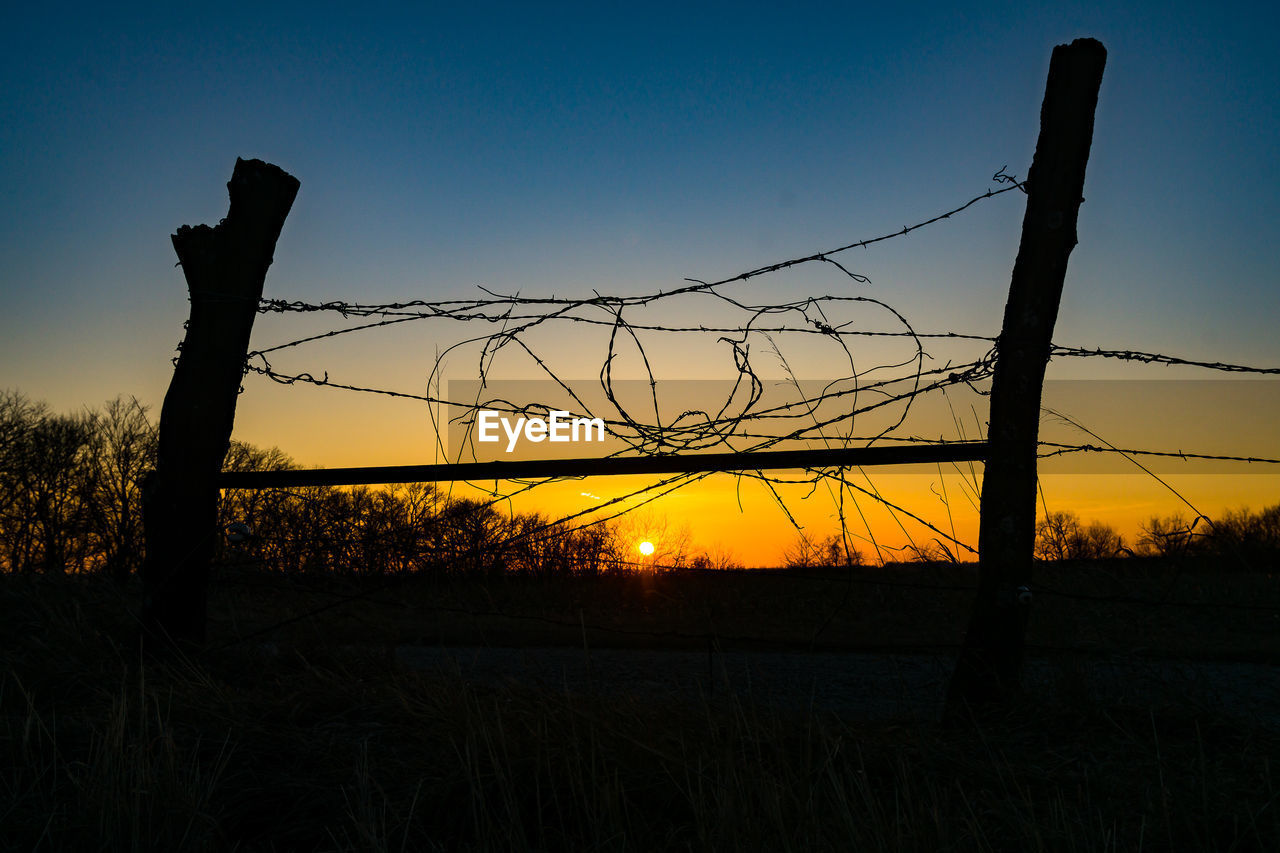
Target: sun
646, 548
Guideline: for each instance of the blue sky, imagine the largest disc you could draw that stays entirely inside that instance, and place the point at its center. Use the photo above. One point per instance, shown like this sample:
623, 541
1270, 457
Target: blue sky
619, 148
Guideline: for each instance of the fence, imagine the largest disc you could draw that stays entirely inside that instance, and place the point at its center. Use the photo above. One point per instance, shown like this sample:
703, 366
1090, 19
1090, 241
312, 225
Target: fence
226, 266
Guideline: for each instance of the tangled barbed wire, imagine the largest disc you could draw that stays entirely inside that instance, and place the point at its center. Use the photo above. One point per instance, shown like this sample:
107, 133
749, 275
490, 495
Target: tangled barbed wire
882, 387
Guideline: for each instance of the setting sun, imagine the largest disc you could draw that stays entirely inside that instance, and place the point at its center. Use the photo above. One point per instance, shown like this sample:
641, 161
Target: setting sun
646, 548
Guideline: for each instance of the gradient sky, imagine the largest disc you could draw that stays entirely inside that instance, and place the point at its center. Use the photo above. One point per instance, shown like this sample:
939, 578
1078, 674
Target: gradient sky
621, 148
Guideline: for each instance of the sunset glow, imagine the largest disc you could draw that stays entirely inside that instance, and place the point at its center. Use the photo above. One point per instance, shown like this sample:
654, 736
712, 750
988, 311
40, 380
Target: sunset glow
564, 172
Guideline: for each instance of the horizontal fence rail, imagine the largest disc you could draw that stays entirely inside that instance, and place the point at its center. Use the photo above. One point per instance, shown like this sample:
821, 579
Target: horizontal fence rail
956, 451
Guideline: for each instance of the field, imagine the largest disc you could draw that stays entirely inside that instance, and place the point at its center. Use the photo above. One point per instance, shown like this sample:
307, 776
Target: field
314, 735
1134, 606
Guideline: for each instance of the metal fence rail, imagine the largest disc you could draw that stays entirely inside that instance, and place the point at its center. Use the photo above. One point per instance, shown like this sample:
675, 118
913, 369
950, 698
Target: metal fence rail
698, 463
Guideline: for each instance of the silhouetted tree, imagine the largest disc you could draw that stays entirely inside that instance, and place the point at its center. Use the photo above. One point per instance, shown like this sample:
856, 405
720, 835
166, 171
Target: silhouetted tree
121, 449
48, 480
18, 415
1251, 537
1061, 536
830, 552
1168, 536
715, 559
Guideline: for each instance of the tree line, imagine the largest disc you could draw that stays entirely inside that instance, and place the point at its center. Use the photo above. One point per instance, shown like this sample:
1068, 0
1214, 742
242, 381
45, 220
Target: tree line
1241, 537
71, 501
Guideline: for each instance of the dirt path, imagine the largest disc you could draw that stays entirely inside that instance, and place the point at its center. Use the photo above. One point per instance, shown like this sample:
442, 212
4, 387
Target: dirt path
871, 686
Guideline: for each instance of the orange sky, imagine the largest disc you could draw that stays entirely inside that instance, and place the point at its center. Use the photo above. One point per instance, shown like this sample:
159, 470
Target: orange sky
741, 516
562, 152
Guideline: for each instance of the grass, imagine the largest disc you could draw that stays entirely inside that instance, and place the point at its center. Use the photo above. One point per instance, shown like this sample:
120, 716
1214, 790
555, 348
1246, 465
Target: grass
314, 745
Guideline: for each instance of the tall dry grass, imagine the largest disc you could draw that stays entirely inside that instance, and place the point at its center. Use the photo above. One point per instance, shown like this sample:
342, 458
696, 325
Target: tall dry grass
313, 747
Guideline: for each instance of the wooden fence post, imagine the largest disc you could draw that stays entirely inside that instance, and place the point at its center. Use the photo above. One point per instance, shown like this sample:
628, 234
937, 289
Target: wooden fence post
225, 267
989, 663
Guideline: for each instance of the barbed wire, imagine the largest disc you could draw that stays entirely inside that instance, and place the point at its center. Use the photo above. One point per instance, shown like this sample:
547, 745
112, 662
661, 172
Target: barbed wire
1062, 449
1156, 358
517, 315
888, 387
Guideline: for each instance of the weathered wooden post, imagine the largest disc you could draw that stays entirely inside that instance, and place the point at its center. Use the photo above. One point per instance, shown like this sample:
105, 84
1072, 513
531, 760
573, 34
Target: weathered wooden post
989, 663
225, 267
